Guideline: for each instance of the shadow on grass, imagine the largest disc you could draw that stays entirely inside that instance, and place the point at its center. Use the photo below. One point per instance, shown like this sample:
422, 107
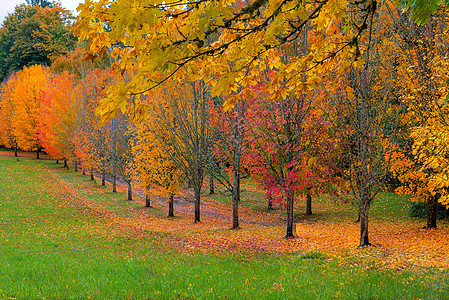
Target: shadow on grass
310, 219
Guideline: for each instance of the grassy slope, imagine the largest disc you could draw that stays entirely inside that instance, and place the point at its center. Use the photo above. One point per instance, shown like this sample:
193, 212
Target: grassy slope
54, 247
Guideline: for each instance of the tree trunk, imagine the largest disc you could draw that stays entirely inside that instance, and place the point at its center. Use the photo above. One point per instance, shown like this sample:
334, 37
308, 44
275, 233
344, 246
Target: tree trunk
364, 209
290, 201
211, 184
92, 174
235, 199
76, 166
65, 164
114, 183
57, 161
37, 154
103, 178
270, 203
358, 217
197, 191
309, 203
130, 192
432, 208
170, 204
147, 201
15, 152
84, 171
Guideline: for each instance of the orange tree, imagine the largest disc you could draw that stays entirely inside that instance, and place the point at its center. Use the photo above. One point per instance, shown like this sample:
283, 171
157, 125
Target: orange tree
27, 99
57, 117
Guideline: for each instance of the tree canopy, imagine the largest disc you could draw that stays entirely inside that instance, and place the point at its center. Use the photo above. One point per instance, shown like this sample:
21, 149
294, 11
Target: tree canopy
36, 33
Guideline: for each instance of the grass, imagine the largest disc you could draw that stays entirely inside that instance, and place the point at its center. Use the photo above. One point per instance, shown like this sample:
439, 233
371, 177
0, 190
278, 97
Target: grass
54, 247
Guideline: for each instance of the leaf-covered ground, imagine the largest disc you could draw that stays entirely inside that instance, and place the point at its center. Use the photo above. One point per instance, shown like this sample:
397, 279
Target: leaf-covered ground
53, 220
398, 241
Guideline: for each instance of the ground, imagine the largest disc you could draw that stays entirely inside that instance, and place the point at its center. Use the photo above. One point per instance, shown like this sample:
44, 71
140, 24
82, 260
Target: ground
329, 236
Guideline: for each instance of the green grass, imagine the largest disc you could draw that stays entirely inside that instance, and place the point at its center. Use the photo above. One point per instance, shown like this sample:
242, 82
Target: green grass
54, 249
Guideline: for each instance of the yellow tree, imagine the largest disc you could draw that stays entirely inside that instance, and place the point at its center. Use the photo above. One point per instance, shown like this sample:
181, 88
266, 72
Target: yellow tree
230, 43
27, 99
368, 112
7, 111
423, 65
152, 168
183, 127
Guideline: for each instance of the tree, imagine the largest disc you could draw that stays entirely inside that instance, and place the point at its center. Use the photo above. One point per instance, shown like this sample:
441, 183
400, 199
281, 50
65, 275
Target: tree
288, 154
424, 65
7, 111
183, 127
58, 117
152, 166
27, 99
368, 115
209, 38
229, 149
34, 35
41, 3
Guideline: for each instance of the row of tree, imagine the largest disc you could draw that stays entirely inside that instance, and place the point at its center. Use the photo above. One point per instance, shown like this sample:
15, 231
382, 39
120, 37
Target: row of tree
337, 101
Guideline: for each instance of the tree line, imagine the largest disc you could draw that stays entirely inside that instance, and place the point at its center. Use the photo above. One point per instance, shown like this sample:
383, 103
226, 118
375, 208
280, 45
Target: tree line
325, 97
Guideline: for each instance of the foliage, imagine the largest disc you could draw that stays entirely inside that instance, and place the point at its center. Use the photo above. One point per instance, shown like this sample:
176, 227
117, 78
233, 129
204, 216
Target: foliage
7, 112
321, 92
421, 11
57, 118
27, 100
422, 165
210, 38
153, 167
34, 34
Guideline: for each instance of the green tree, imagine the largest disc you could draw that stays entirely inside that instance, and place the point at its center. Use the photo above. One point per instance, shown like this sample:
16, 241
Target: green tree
41, 3
34, 34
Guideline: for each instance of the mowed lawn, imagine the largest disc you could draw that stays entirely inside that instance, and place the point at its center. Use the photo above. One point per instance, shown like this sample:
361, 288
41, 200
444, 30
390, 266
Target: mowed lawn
55, 246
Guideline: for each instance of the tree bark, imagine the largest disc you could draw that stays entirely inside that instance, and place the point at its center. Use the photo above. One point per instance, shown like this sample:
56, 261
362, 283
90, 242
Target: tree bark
37, 154
147, 201
57, 161
92, 174
309, 203
171, 204
130, 192
432, 208
211, 184
364, 209
114, 183
15, 152
103, 178
270, 203
76, 166
235, 200
197, 191
290, 201
65, 164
